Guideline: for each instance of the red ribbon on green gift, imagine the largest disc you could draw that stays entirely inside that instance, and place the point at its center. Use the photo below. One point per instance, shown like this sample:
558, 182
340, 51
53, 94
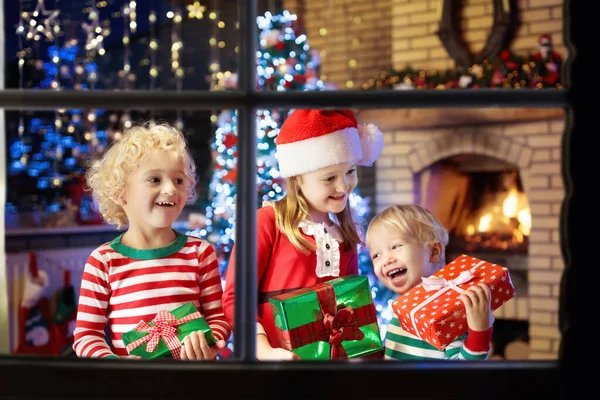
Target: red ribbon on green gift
335, 327
164, 328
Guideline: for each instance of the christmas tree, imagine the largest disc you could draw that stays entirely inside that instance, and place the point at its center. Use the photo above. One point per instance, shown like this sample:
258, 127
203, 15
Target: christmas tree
49, 154
50, 150
284, 62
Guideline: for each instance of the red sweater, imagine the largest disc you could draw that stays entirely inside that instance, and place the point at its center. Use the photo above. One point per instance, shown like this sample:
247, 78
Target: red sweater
280, 266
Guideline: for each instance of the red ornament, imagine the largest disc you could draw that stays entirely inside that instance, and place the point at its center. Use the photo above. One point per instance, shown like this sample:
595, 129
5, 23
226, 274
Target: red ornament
505, 55
77, 193
551, 78
497, 78
300, 79
77, 190
297, 26
230, 140
230, 177
280, 46
419, 81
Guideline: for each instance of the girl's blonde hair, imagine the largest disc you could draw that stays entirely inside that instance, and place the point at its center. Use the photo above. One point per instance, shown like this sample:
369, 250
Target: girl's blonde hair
415, 221
106, 176
293, 209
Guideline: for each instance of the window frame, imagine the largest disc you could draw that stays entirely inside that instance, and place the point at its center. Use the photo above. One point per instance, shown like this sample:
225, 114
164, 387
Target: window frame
58, 378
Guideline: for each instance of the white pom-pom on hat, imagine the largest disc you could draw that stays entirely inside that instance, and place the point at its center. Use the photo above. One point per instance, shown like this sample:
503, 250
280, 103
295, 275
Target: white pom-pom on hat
371, 142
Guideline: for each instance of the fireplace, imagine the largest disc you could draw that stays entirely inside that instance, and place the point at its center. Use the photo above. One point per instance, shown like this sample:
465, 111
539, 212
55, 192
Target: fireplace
482, 203
493, 177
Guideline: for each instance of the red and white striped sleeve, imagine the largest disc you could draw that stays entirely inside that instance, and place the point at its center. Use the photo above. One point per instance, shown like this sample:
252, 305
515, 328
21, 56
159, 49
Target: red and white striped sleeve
211, 291
89, 335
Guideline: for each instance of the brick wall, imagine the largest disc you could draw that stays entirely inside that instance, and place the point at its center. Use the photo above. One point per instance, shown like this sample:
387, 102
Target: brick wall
353, 36
415, 22
378, 34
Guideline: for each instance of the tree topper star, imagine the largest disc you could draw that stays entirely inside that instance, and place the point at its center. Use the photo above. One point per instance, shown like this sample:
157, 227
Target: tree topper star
48, 26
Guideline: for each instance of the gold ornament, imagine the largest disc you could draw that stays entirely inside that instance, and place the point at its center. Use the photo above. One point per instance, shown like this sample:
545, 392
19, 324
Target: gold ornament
196, 10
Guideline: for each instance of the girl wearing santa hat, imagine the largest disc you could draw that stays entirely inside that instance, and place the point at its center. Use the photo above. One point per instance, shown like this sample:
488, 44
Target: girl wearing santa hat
308, 236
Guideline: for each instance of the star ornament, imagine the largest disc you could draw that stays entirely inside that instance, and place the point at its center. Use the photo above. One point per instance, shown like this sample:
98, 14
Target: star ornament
93, 39
94, 32
41, 22
196, 10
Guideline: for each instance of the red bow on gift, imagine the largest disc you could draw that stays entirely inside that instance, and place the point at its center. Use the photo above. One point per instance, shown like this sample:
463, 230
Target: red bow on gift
335, 327
164, 328
341, 326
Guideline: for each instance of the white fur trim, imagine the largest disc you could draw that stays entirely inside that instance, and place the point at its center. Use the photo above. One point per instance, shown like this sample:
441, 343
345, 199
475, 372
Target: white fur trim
309, 155
371, 141
34, 289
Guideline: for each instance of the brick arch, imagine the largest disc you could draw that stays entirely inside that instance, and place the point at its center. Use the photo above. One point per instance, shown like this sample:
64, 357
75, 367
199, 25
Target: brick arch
427, 153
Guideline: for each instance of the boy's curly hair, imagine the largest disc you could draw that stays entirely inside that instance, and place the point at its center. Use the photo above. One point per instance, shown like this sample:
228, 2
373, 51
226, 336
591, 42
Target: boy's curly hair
106, 176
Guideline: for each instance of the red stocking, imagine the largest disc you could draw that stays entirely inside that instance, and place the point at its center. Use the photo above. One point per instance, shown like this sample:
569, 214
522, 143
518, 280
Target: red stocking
66, 314
35, 322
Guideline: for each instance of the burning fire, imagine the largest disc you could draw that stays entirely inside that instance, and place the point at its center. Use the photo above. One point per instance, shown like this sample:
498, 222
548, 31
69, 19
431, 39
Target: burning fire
508, 216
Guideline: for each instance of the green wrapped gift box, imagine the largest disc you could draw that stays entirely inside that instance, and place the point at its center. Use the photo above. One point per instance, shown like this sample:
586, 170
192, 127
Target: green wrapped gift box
332, 320
163, 336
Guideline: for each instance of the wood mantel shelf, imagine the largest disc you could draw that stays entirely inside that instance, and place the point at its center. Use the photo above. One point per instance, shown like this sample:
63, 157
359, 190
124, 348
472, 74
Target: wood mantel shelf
425, 118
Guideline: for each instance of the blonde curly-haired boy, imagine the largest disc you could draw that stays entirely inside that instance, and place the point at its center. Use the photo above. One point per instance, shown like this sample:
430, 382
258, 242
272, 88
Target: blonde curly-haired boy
143, 181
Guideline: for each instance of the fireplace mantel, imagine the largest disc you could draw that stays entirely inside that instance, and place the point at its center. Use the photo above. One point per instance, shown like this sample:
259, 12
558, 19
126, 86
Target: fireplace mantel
425, 118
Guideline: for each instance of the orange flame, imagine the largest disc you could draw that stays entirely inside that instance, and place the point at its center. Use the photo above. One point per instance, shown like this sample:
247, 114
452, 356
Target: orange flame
508, 214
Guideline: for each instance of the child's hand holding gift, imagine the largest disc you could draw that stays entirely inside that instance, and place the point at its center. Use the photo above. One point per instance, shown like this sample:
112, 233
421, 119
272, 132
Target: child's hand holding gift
477, 300
265, 352
195, 347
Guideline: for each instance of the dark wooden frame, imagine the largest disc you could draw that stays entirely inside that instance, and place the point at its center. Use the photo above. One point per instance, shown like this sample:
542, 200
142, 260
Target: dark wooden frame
56, 378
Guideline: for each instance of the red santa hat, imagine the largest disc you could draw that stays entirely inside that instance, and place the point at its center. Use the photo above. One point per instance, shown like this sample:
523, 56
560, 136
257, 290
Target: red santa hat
545, 40
313, 139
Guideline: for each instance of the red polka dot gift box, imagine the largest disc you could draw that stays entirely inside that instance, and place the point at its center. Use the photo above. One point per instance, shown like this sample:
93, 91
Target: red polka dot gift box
433, 311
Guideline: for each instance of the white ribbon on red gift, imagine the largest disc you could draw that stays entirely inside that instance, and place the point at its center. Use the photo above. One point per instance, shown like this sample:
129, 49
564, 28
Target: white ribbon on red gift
164, 328
442, 286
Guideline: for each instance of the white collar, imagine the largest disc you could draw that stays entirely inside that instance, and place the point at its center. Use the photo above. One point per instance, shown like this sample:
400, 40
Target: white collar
311, 228
328, 240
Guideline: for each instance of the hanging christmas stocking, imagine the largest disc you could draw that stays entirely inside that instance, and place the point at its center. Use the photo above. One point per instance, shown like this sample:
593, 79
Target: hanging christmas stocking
35, 332
64, 319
